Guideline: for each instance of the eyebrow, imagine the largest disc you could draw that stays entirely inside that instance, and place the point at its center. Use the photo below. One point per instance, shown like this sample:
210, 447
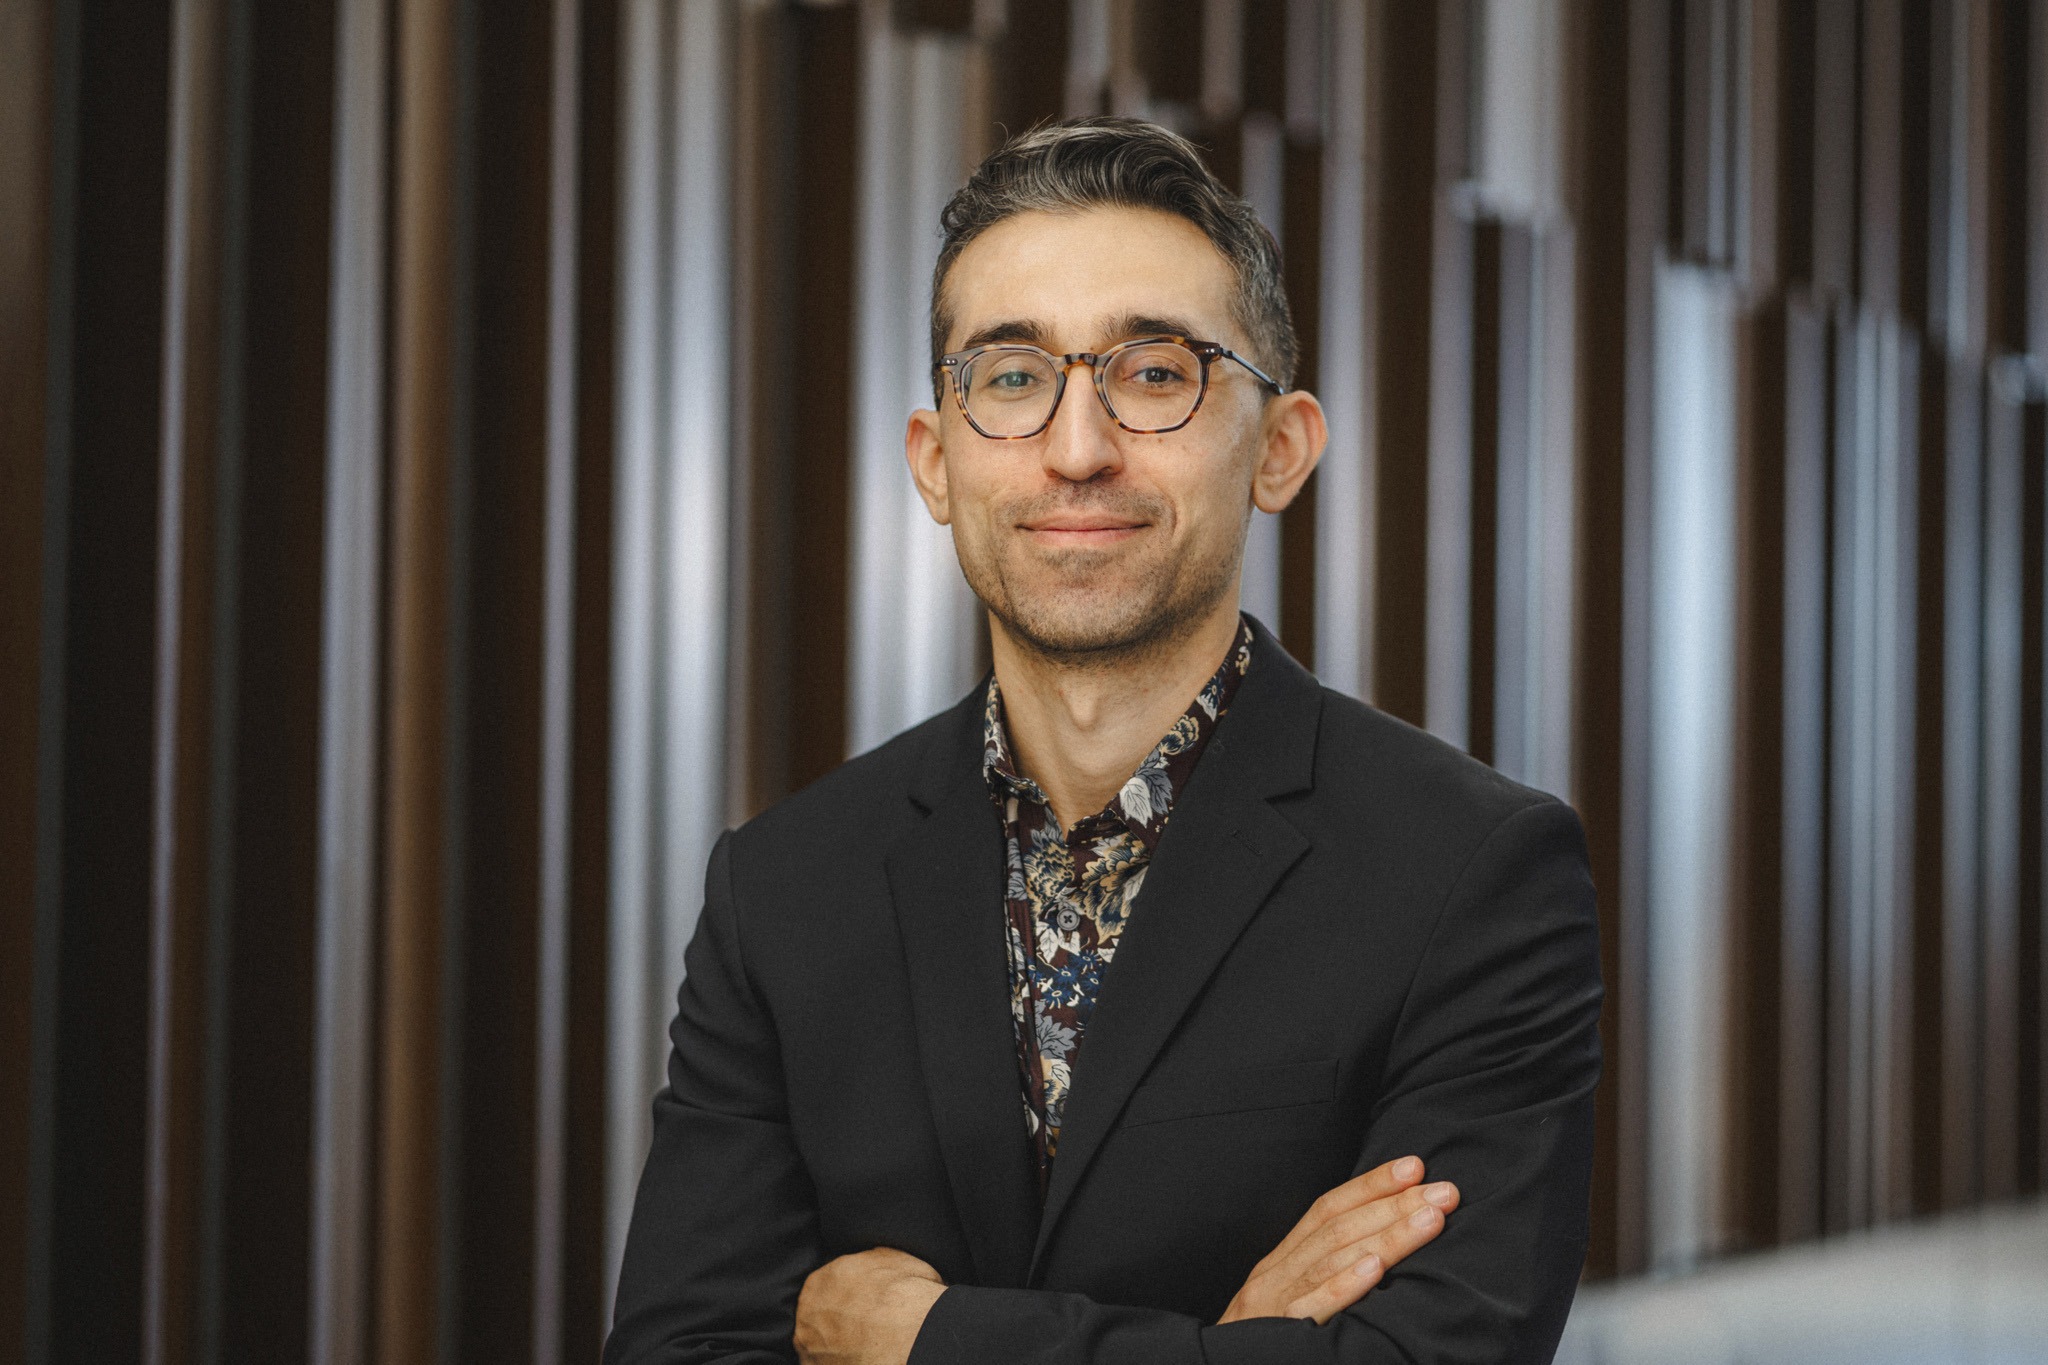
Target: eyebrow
1121, 327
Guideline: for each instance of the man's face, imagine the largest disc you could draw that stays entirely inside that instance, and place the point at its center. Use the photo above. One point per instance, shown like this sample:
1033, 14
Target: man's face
1089, 541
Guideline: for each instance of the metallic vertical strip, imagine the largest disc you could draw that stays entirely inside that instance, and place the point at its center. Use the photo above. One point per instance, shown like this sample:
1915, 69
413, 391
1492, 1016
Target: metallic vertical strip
1802, 874
1554, 512
1962, 788
350, 653
179, 818
694, 504
1087, 56
1898, 385
1692, 536
558, 643
642, 187
1346, 505
1998, 831
1852, 727
350, 666
912, 636
1447, 632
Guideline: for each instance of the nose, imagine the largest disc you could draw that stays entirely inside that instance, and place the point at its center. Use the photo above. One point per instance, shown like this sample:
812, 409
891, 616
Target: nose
1082, 440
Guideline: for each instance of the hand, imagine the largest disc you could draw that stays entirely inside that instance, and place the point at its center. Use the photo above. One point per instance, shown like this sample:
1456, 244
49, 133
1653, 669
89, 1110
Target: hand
1347, 1240
864, 1309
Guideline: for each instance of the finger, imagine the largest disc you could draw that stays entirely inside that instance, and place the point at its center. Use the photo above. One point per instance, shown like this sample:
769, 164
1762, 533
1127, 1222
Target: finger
1319, 1254
1383, 1180
1392, 1228
1339, 1291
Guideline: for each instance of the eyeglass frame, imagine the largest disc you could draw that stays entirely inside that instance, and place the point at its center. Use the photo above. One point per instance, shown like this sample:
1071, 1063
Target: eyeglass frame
1207, 353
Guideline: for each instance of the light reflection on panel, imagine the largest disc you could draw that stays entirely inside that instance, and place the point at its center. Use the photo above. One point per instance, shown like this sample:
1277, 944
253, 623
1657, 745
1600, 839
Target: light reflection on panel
351, 625
1345, 505
1691, 744
912, 638
670, 586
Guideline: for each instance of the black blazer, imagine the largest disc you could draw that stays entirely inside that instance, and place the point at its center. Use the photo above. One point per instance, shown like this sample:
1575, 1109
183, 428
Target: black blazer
1354, 943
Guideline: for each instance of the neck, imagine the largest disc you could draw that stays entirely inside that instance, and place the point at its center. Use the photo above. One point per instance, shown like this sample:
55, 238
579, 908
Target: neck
1080, 730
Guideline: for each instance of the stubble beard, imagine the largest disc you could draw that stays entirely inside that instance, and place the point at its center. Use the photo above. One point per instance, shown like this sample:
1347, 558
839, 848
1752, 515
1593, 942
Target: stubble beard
1077, 610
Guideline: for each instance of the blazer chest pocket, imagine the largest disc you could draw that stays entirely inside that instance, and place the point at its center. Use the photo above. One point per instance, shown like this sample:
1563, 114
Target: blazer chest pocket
1232, 1090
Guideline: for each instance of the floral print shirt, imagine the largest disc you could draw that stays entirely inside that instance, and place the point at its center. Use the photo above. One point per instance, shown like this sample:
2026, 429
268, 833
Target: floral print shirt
1068, 897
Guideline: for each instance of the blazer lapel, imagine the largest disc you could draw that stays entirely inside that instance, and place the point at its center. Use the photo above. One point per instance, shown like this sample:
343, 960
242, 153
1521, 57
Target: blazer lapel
1224, 850
946, 876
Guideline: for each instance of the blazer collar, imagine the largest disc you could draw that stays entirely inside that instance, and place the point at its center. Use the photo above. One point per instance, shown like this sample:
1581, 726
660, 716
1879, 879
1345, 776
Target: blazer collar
1223, 852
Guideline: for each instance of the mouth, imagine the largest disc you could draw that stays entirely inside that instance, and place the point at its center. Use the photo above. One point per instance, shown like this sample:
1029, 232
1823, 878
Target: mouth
1084, 529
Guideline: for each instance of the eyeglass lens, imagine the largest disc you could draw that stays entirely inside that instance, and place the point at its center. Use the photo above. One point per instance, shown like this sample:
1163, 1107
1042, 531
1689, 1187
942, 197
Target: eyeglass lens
1151, 387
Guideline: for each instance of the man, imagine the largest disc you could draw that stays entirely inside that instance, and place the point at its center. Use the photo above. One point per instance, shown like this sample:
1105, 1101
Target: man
1113, 1015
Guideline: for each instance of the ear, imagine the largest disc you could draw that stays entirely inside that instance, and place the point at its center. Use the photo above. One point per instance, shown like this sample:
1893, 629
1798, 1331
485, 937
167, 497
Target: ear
923, 447
1293, 434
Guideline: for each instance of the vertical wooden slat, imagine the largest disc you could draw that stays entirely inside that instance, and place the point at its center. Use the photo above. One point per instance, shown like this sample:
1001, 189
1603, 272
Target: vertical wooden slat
1407, 106
87, 1227
1830, 253
585, 1264
260, 1188
1602, 97
412, 1055
508, 463
1753, 1185
27, 78
1487, 424
1297, 99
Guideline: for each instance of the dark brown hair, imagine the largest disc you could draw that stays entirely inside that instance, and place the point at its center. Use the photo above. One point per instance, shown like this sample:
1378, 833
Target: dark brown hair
1102, 162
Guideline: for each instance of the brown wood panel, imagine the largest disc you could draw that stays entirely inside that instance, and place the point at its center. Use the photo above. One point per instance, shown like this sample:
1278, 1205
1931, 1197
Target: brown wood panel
1831, 252
1601, 98
585, 1310
1494, 352
259, 1194
500, 487
1881, 172
1757, 931
1030, 65
94, 855
26, 76
409, 1248
2011, 166
1930, 758
1406, 109
1301, 249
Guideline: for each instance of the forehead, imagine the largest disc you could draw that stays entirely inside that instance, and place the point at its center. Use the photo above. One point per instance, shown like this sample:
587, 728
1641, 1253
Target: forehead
1071, 270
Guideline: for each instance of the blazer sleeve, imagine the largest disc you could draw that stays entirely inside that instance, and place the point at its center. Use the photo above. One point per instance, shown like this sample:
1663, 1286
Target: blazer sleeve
724, 1225
1490, 1080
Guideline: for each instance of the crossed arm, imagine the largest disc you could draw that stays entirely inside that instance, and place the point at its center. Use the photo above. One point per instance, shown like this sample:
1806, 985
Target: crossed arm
866, 1308
1489, 1078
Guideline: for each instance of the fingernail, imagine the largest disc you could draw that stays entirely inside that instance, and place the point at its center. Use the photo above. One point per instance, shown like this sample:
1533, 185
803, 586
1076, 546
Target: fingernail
1439, 1194
1424, 1218
1408, 1168
1367, 1268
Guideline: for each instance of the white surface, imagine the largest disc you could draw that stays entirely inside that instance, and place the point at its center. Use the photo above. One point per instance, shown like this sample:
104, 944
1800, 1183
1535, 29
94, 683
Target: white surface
1971, 1289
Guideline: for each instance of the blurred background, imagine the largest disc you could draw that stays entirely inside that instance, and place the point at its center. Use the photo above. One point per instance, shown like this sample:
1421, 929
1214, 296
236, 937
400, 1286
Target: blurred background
450, 467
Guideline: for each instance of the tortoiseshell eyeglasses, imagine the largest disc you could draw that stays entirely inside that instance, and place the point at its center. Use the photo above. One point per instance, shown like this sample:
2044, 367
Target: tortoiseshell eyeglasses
1009, 391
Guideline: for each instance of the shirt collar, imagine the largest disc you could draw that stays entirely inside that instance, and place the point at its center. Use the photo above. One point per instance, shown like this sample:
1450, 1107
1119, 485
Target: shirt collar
1147, 796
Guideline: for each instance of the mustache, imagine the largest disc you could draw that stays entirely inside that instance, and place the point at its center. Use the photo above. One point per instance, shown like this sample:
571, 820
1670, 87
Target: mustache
1123, 503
